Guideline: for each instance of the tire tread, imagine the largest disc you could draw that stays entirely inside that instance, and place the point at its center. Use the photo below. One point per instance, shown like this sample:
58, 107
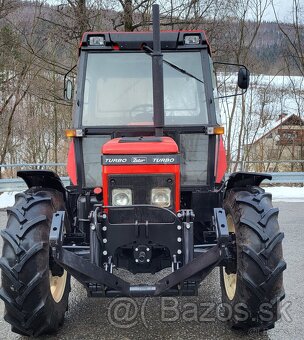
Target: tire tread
259, 249
21, 287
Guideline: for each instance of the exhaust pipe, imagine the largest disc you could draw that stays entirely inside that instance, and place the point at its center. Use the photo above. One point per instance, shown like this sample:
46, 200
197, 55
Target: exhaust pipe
157, 75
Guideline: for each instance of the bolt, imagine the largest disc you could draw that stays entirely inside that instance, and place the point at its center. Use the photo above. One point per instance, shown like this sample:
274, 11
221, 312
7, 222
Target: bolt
179, 239
136, 249
93, 227
104, 252
136, 260
179, 227
104, 228
188, 225
142, 256
179, 215
147, 249
179, 251
148, 260
104, 216
104, 240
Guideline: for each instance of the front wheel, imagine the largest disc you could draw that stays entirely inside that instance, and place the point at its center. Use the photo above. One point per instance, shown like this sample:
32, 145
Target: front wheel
252, 287
35, 290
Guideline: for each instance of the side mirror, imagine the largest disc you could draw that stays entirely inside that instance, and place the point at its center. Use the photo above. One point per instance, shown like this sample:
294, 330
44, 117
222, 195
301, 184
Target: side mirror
243, 78
68, 89
229, 69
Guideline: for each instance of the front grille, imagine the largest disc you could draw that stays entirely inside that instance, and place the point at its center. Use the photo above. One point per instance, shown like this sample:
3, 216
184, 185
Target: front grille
141, 186
140, 215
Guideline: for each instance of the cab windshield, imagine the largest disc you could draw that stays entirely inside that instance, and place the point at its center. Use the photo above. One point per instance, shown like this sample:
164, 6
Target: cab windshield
118, 90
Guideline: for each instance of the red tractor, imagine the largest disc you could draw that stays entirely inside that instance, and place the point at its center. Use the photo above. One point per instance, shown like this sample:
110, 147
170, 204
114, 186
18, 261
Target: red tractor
147, 167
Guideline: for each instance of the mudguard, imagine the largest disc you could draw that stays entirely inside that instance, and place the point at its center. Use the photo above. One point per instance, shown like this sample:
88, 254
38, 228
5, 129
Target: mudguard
42, 178
242, 179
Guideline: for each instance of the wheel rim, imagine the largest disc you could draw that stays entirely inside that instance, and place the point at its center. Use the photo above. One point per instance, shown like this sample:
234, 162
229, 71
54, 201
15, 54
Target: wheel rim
230, 280
57, 285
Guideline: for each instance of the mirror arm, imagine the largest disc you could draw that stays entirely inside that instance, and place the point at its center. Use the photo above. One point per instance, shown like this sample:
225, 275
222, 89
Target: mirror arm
221, 63
65, 76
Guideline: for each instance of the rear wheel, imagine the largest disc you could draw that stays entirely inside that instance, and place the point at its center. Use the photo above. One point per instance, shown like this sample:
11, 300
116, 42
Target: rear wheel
35, 290
252, 287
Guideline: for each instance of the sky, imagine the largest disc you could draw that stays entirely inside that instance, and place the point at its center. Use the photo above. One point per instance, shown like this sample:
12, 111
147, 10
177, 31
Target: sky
283, 9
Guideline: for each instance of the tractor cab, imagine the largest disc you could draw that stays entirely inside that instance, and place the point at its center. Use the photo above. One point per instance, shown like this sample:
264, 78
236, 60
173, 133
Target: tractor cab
114, 98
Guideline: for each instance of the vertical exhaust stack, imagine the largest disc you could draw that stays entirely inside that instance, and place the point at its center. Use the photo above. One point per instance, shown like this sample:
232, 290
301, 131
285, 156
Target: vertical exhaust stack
157, 74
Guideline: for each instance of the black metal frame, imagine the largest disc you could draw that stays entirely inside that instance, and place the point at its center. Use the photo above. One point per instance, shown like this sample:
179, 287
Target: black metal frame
100, 281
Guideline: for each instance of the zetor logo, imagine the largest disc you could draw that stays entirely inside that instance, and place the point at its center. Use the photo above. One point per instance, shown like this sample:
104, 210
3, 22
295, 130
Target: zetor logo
116, 160
163, 160
139, 159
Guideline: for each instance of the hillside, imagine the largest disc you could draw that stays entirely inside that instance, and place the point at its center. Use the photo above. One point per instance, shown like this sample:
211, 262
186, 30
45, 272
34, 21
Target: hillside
267, 53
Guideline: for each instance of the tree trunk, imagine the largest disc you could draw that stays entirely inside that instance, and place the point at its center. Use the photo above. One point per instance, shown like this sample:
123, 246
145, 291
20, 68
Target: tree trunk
128, 17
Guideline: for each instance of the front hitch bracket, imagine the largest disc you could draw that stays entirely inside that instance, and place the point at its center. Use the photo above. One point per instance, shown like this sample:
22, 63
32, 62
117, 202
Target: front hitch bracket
220, 222
56, 231
90, 273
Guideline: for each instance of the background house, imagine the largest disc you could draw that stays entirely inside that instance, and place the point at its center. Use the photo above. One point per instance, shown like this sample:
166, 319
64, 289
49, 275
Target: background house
283, 140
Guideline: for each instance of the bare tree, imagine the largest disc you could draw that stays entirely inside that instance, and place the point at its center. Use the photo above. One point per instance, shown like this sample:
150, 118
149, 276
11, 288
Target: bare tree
177, 14
247, 16
293, 34
7, 6
17, 77
30, 91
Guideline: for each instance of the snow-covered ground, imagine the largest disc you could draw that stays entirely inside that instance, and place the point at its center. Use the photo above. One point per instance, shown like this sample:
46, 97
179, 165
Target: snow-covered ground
7, 199
286, 194
279, 194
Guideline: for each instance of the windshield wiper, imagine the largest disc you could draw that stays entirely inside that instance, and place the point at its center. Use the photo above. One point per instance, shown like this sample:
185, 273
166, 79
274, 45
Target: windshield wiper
149, 50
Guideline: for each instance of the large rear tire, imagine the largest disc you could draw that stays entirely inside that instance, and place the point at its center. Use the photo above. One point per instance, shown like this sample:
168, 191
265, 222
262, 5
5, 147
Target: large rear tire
253, 287
34, 289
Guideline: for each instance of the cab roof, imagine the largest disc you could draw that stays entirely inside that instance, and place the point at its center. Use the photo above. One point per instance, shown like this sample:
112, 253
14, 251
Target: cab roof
170, 40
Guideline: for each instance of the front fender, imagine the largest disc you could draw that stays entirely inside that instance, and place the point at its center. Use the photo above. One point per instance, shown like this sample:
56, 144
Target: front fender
243, 179
42, 178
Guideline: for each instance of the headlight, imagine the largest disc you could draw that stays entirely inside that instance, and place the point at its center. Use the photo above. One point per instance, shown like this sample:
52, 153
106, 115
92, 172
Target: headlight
161, 197
97, 40
192, 39
121, 197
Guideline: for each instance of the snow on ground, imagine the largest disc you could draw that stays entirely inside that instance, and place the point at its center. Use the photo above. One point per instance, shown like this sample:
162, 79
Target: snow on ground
279, 194
7, 199
286, 194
